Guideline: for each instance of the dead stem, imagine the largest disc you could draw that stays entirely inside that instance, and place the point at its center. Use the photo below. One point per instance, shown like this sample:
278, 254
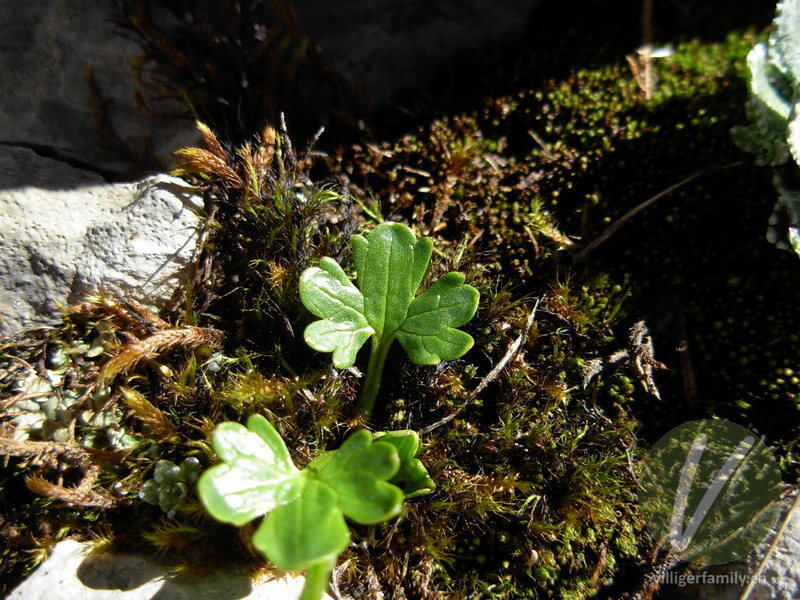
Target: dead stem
512, 352
46, 455
616, 225
159, 342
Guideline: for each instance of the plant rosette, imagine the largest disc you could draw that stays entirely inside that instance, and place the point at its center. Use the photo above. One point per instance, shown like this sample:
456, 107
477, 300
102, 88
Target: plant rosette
773, 109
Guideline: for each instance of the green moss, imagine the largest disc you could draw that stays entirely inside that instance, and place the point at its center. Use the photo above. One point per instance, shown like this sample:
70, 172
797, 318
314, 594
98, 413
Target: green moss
535, 492
595, 149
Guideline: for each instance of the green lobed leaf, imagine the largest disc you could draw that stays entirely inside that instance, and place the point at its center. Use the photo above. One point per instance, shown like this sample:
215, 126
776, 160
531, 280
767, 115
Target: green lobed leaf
412, 477
358, 472
390, 263
305, 526
328, 293
429, 333
405, 441
305, 531
256, 476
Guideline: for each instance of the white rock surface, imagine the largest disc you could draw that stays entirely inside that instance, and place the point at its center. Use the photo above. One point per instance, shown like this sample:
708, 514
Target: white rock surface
45, 51
65, 232
69, 573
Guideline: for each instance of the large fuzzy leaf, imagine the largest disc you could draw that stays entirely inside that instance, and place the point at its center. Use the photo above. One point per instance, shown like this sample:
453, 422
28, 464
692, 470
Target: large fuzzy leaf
768, 111
785, 39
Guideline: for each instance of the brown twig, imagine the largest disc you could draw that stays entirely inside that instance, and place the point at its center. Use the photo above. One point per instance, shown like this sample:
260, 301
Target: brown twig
757, 575
642, 357
149, 414
81, 495
616, 225
158, 343
512, 352
47, 455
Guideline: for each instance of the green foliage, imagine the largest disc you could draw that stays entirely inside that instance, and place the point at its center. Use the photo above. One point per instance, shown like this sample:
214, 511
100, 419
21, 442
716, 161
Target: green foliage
305, 527
774, 131
412, 476
783, 229
169, 487
390, 264
768, 109
533, 482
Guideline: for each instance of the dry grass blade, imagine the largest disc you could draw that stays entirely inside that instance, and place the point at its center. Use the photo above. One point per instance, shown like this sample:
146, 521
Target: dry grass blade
139, 313
127, 314
642, 357
641, 360
210, 140
512, 352
148, 414
82, 495
158, 343
196, 161
47, 453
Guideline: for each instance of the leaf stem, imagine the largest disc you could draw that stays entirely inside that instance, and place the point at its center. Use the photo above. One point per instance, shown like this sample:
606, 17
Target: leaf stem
377, 358
317, 576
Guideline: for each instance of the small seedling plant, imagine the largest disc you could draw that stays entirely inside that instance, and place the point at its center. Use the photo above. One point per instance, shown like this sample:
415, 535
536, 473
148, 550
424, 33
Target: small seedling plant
369, 476
305, 526
390, 265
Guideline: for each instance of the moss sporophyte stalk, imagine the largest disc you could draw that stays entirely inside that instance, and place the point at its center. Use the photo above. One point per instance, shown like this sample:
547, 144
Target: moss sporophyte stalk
390, 265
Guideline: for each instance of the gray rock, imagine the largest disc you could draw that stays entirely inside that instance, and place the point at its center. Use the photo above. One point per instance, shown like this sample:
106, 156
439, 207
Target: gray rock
45, 50
48, 45
389, 45
65, 233
69, 573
